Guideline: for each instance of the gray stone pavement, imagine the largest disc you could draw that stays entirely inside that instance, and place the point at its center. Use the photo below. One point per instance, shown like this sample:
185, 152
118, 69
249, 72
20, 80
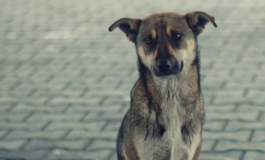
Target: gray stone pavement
65, 80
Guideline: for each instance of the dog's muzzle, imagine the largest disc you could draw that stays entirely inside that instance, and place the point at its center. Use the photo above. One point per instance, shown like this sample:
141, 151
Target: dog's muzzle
165, 67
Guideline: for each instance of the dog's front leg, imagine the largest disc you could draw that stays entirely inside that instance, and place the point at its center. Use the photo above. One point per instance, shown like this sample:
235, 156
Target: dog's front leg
126, 145
130, 152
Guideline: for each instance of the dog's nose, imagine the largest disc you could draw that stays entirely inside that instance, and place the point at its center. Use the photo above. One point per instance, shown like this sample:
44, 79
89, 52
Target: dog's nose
163, 65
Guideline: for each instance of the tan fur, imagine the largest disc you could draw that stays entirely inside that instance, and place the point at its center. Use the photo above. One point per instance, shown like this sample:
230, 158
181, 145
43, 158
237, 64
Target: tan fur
143, 56
169, 29
125, 155
155, 54
197, 152
166, 114
153, 34
147, 59
172, 52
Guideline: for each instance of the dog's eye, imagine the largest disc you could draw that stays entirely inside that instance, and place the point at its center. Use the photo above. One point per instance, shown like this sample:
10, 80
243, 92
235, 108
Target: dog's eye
176, 36
148, 40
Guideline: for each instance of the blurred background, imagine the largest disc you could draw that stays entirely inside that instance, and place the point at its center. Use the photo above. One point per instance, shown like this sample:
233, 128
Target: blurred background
65, 80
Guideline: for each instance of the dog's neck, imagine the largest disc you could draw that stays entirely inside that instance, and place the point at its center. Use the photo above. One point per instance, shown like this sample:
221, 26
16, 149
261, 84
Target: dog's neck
183, 86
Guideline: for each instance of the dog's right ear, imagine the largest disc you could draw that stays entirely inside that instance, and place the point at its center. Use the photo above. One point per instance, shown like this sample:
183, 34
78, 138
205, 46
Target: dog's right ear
129, 26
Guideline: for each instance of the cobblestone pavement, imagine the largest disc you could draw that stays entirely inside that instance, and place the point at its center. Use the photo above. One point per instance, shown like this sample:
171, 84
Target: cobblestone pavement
65, 80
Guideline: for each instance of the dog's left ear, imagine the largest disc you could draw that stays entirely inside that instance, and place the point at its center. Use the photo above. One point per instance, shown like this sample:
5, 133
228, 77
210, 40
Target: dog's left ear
198, 20
129, 26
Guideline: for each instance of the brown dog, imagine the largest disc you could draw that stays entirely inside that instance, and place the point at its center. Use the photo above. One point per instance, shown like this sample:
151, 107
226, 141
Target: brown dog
166, 115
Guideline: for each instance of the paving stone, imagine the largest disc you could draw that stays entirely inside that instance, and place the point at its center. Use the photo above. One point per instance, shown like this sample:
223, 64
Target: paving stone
113, 126
2, 133
29, 155
236, 101
212, 86
262, 117
218, 109
254, 155
4, 108
93, 126
258, 86
249, 146
113, 101
213, 126
38, 109
247, 116
102, 144
232, 136
56, 144
238, 66
36, 135
259, 136
55, 117
94, 110
12, 145
114, 156
236, 126
74, 102
250, 108
13, 117
22, 126
63, 154
224, 79
220, 156
106, 93
109, 135
252, 93
104, 117
224, 93
207, 145
213, 73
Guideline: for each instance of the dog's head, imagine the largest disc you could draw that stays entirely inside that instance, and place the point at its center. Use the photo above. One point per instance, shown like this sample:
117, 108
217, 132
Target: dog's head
165, 42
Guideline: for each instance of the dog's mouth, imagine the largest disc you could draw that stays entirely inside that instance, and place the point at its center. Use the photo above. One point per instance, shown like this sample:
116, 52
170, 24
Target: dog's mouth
176, 69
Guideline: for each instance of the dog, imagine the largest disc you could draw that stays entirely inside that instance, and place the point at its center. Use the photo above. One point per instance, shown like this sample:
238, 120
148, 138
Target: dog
166, 114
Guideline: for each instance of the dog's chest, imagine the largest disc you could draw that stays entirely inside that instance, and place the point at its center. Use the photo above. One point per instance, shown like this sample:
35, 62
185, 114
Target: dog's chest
173, 114
172, 117
170, 145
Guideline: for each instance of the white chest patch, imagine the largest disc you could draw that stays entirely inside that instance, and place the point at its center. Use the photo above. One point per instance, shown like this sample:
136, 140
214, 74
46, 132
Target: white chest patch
171, 144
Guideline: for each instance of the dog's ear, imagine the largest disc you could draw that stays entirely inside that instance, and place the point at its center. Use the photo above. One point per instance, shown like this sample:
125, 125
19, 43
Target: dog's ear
198, 20
129, 26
